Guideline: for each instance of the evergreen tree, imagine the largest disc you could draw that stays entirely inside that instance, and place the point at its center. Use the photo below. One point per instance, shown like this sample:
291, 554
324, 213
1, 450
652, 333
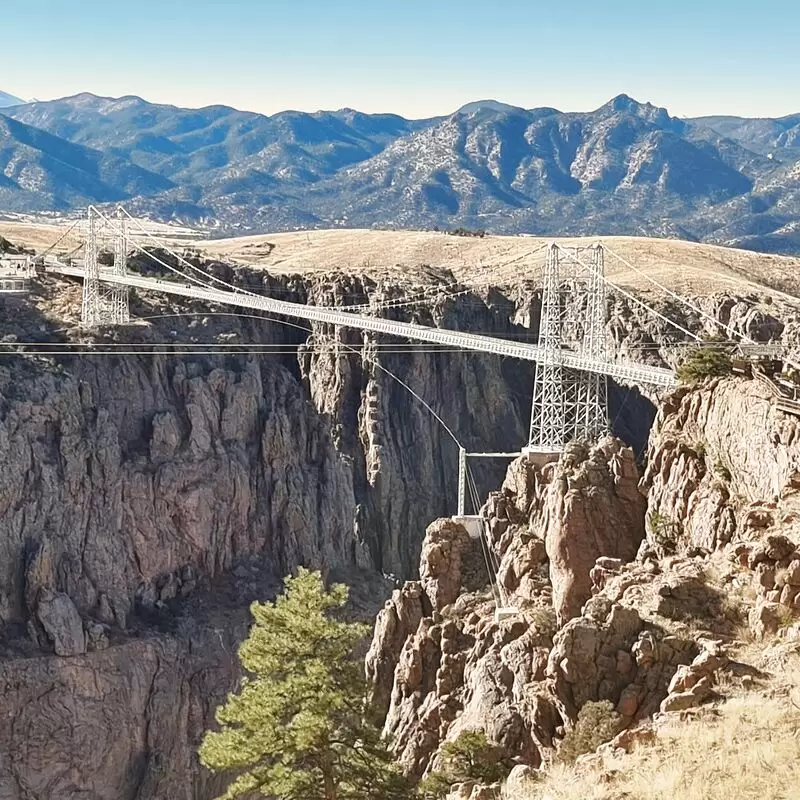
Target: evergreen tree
706, 362
298, 728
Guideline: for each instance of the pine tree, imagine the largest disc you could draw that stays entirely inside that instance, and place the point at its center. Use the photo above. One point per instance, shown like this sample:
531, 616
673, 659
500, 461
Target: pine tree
469, 758
298, 728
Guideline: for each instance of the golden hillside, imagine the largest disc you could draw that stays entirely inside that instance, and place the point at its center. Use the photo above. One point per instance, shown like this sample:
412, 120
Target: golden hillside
682, 266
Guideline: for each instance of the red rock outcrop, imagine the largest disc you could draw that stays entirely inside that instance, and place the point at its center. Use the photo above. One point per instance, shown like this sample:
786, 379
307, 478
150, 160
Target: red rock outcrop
460, 669
723, 465
592, 508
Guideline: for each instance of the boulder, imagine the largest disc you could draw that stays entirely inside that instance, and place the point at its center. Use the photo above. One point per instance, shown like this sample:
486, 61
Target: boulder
520, 782
765, 618
793, 573
631, 738
62, 623
778, 547
680, 701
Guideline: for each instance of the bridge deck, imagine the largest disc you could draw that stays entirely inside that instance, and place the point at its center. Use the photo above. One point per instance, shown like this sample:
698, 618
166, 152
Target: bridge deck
621, 371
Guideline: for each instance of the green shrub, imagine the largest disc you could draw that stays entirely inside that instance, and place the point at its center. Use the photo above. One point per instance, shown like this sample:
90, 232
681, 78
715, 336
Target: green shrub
664, 532
786, 617
705, 362
467, 232
701, 448
468, 758
544, 620
722, 470
597, 723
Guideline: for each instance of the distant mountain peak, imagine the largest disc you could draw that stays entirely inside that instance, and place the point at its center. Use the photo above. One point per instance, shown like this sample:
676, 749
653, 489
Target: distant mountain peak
624, 102
486, 105
91, 100
655, 115
83, 97
7, 100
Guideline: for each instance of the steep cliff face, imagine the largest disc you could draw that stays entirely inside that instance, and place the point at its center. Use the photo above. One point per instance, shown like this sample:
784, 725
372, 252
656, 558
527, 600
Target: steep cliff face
121, 481
633, 591
130, 485
441, 664
723, 465
119, 724
127, 479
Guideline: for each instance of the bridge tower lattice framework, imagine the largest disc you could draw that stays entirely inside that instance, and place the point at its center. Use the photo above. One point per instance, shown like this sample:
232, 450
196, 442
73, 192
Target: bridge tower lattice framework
569, 404
104, 303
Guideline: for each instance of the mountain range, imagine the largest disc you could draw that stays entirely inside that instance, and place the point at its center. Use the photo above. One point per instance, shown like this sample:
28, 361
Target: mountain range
624, 168
9, 100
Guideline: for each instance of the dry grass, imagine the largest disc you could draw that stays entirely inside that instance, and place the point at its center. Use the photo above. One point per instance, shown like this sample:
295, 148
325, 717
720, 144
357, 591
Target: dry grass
683, 266
36, 236
40, 235
748, 747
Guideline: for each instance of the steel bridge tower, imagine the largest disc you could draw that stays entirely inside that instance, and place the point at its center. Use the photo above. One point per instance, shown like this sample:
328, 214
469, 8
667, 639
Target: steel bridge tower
103, 303
569, 403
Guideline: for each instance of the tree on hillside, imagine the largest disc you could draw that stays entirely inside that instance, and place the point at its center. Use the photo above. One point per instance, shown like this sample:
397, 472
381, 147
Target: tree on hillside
298, 728
469, 758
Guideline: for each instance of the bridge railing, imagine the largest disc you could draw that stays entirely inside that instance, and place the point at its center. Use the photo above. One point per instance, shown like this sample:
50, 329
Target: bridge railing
622, 371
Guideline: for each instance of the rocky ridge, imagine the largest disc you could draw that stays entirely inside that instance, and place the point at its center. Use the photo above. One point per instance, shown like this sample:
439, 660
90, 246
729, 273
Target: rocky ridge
649, 619
624, 167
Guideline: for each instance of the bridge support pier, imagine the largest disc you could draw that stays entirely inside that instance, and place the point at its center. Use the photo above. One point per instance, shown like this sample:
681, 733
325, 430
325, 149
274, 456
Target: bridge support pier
90, 302
118, 296
547, 412
102, 303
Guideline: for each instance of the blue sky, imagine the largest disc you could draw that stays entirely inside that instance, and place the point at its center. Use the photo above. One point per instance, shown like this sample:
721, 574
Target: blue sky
412, 57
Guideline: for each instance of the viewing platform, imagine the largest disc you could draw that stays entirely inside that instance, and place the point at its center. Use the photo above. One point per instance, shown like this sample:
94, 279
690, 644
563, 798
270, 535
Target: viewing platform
16, 273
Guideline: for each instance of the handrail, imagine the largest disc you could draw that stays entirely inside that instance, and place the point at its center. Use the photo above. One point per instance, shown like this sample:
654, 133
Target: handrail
783, 403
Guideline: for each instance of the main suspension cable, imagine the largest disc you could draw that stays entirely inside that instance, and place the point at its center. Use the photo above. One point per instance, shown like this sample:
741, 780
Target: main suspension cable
678, 297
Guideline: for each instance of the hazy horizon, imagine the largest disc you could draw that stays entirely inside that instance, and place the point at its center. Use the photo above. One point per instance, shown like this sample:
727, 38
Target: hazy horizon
417, 59
444, 113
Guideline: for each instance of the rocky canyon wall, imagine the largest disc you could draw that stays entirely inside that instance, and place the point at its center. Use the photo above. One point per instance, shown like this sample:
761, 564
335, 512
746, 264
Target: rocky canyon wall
628, 587
132, 485
145, 500
723, 460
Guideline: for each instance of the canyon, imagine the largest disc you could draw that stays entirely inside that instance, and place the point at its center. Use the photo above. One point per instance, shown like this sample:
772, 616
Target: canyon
147, 498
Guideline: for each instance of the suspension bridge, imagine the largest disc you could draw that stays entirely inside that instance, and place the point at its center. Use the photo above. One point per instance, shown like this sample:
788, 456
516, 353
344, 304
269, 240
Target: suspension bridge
571, 356
572, 361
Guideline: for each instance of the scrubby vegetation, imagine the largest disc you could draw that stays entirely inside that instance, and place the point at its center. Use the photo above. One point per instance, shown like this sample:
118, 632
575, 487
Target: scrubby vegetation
722, 470
479, 234
597, 723
745, 747
705, 362
544, 620
664, 532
